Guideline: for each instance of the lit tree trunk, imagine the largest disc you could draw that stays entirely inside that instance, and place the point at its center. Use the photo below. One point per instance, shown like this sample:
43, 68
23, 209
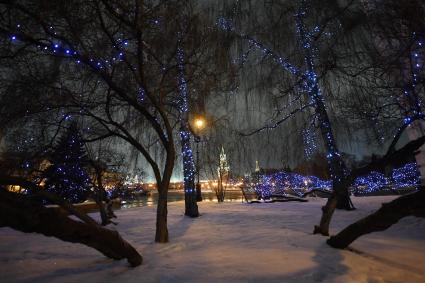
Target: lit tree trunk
389, 214
191, 206
23, 214
340, 196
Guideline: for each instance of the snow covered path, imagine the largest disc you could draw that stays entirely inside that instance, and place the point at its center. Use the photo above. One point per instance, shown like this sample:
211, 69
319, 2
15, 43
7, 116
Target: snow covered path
230, 242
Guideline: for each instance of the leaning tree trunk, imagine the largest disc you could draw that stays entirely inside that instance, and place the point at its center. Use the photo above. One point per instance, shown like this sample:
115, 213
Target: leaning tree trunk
340, 193
325, 220
389, 214
38, 192
23, 214
380, 164
340, 197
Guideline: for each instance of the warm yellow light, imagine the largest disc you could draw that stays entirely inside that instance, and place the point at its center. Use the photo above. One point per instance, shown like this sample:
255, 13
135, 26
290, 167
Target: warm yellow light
199, 123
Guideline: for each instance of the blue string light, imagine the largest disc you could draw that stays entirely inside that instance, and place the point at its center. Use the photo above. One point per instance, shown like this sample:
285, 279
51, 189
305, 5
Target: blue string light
284, 183
309, 82
59, 49
406, 176
183, 106
310, 145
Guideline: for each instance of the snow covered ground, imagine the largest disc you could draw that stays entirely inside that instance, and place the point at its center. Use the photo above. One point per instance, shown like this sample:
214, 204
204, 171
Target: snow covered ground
230, 242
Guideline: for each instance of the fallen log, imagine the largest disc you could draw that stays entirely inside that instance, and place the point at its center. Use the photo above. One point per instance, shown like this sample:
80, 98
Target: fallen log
24, 214
390, 213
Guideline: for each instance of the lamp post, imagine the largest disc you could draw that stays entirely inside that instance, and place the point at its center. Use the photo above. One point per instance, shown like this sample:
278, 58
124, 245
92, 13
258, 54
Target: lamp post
199, 125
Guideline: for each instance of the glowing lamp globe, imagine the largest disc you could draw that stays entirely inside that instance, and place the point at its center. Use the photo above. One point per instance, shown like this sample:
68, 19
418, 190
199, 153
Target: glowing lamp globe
199, 123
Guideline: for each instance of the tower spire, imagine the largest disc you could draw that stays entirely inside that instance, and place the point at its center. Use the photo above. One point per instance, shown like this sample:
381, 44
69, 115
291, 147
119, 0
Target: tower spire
257, 166
223, 166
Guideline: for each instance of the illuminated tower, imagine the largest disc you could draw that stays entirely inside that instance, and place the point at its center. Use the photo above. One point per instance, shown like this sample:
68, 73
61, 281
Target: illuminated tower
223, 167
223, 173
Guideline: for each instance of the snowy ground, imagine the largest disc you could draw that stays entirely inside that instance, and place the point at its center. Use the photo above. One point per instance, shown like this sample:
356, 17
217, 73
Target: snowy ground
230, 242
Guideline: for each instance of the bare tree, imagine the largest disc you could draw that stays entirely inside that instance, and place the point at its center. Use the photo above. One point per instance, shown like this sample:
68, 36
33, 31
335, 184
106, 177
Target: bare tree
330, 43
118, 70
399, 35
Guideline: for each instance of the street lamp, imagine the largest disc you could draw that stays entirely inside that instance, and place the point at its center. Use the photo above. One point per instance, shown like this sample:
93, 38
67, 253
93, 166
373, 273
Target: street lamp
199, 125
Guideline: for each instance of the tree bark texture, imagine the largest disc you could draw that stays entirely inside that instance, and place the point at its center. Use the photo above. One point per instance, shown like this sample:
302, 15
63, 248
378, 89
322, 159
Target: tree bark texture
389, 214
23, 214
339, 196
161, 235
327, 212
190, 199
344, 200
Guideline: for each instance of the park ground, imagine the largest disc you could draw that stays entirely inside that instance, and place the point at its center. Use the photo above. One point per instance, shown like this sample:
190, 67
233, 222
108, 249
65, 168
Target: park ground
230, 242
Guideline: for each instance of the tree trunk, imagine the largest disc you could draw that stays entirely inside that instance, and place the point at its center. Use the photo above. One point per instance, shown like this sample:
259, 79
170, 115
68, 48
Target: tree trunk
340, 197
198, 191
389, 214
327, 212
220, 192
190, 199
23, 214
220, 197
161, 235
99, 198
344, 200
103, 216
340, 193
191, 206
